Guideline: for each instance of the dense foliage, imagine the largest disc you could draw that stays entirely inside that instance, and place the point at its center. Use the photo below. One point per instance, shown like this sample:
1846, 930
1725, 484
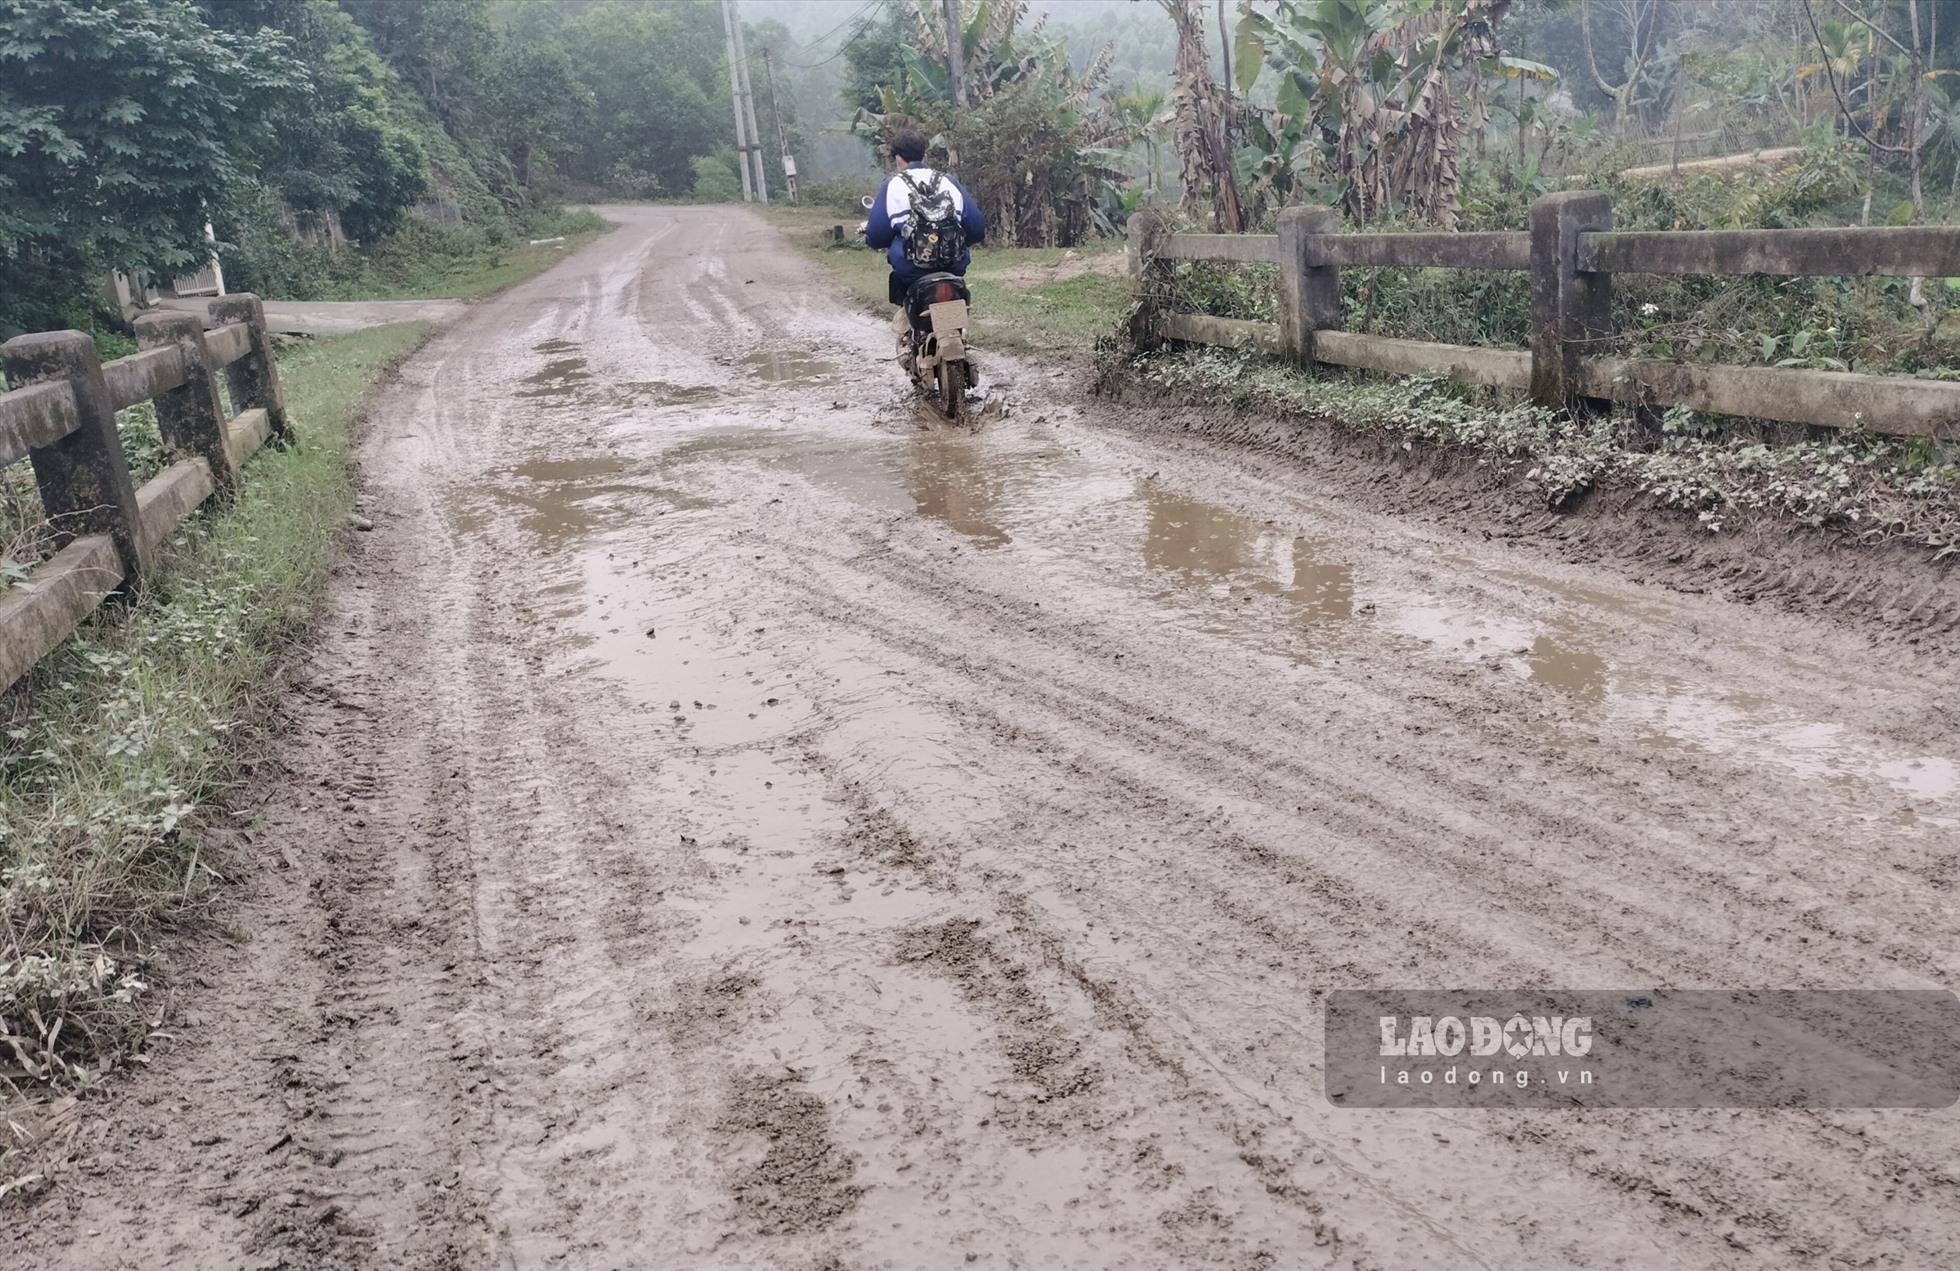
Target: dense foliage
121, 123
324, 138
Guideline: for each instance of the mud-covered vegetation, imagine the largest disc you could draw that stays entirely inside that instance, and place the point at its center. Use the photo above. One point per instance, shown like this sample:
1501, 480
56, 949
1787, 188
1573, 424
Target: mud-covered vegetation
1872, 487
121, 734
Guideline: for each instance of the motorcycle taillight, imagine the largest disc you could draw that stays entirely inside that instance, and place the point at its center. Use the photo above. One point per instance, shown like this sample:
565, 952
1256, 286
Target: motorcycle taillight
944, 291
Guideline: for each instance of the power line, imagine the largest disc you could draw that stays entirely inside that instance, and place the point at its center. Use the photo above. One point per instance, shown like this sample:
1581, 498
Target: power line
863, 9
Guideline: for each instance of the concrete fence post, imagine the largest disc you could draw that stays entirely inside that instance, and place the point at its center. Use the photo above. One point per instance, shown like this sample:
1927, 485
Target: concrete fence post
254, 377
191, 418
1309, 289
1571, 311
1147, 229
84, 477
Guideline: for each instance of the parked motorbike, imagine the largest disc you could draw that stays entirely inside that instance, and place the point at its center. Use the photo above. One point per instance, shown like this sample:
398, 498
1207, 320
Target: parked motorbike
936, 354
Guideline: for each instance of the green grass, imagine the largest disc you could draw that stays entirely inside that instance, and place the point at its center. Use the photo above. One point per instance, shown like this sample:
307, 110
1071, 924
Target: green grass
461, 267
1014, 308
120, 738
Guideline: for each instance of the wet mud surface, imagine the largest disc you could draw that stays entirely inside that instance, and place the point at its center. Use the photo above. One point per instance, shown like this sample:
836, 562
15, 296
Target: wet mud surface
727, 819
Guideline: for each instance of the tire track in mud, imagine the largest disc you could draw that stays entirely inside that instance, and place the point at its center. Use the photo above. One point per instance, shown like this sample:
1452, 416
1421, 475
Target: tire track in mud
1478, 853
1030, 687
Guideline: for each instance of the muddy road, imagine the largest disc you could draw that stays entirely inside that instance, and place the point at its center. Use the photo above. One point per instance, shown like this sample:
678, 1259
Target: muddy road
725, 820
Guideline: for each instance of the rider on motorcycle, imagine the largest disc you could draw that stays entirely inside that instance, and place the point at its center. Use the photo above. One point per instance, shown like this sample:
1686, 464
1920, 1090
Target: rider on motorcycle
885, 226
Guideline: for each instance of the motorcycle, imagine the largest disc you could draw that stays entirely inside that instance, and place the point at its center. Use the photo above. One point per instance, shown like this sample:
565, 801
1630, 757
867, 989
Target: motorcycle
936, 353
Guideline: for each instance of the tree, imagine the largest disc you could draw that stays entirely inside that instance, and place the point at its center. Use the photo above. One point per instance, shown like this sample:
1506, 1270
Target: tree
443, 47
1143, 116
1842, 50
1641, 21
1202, 145
121, 123
532, 102
1033, 145
655, 92
346, 161
1377, 93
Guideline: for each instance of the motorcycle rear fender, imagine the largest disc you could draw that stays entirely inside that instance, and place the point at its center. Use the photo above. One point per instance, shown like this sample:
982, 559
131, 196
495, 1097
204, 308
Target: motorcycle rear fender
947, 317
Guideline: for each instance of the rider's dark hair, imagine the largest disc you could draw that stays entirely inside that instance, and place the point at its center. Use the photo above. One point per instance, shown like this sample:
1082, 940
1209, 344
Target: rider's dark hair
909, 144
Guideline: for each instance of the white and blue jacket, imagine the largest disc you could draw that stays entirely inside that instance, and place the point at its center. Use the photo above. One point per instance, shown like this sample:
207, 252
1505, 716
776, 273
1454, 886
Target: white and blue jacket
885, 227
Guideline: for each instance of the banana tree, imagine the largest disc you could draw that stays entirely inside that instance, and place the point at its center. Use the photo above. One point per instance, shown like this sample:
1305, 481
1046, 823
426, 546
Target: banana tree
1034, 143
1374, 91
1144, 117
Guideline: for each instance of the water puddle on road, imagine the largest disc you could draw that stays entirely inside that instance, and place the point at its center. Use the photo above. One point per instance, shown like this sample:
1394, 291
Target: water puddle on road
663, 393
1207, 546
565, 503
1224, 572
1665, 711
560, 377
946, 476
1223, 560
789, 368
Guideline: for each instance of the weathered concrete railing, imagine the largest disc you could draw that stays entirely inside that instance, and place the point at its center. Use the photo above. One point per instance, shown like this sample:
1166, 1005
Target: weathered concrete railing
1571, 252
61, 415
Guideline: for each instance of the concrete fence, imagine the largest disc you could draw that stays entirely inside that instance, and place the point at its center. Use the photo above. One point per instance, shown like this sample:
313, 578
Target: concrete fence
1571, 253
61, 416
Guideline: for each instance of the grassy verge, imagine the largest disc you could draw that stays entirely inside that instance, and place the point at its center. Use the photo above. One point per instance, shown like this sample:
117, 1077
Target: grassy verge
420, 261
1025, 299
463, 267
118, 739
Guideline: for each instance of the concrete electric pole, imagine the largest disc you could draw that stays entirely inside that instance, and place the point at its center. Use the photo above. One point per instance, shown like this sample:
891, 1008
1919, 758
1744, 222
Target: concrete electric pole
735, 96
748, 104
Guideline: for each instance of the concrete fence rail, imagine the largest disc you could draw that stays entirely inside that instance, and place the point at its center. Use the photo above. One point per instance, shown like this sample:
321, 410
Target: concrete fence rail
60, 414
1571, 253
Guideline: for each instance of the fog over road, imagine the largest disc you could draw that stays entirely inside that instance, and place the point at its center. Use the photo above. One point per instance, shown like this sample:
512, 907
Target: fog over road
727, 819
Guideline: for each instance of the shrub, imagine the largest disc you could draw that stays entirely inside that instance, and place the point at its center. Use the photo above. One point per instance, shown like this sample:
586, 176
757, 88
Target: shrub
715, 181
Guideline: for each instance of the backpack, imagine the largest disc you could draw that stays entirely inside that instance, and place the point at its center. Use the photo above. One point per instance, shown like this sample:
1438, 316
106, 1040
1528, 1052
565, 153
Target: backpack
934, 237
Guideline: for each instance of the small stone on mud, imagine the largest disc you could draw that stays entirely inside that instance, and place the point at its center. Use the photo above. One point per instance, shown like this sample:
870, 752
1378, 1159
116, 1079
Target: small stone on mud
359, 522
650, 634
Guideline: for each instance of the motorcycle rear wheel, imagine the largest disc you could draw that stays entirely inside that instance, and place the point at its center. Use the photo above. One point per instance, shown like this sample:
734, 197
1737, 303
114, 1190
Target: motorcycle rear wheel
952, 381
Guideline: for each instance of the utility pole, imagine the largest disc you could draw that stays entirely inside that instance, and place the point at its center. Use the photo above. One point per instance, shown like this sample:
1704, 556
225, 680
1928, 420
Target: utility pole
735, 96
782, 142
748, 105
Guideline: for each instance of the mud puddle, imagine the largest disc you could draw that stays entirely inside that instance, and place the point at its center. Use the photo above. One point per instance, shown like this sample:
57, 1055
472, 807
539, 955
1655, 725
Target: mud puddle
1231, 557
946, 476
666, 393
560, 377
561, 503
1227, 564
1666, 711
1297, 596
789, 368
